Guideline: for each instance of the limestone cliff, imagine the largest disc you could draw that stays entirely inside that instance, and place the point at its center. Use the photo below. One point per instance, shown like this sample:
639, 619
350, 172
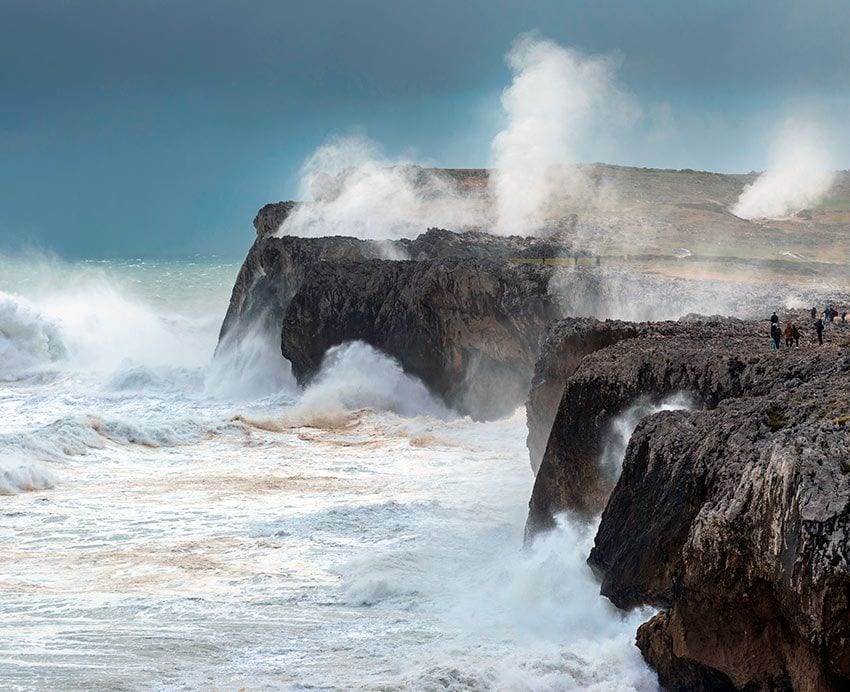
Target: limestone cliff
734, 518
468, 328
465, 312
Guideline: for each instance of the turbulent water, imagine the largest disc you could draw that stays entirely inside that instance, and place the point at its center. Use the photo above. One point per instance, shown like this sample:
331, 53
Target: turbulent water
175, 521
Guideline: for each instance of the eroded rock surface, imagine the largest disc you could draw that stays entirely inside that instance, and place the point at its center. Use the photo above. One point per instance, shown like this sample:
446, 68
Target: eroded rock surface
710, 360
468, 328
465, 312
734, 518
565, 345
744, 516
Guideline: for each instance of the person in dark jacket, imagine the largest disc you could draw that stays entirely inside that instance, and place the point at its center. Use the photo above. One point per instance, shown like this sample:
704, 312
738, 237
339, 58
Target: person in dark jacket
814, 312
774, 318
795, 334
775, 334
819, 329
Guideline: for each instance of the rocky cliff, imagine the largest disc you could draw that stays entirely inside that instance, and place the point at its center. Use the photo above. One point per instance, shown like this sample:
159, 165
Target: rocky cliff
734, 517
468, 328
465, 312
565, 345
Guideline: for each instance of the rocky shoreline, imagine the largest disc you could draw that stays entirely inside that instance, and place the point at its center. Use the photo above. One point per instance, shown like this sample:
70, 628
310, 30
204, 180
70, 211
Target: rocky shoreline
732, 518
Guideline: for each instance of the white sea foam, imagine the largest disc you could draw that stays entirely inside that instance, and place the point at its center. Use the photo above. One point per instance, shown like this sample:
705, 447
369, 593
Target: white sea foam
28, 338
356, 376
19, 474
382, 552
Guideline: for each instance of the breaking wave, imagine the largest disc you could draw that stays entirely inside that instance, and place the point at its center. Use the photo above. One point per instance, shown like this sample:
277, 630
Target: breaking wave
28, 338
24, 455
83, 319
356, 376
19, 474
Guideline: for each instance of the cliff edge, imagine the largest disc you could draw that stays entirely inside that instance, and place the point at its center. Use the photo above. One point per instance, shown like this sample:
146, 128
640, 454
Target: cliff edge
733, 518
464, 312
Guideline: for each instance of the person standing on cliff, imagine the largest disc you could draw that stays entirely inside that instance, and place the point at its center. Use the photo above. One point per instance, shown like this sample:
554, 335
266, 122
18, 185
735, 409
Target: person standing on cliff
819, 328
774, 318
795, 334
814, 312
788, 333
775, 335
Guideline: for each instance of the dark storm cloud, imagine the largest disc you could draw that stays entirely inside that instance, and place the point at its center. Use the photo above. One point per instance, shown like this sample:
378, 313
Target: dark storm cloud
155, 127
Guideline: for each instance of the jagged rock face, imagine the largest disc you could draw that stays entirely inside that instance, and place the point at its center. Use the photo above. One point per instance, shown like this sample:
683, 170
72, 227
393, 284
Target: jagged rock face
271, 216
569, 340
469, 328
276, 265
274, 269
659, 360
566, 343
735, 517
462, 311
744, 534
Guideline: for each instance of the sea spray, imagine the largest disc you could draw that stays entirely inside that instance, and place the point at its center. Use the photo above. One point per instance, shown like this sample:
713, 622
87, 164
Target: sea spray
248, 365
622, 426
558, 98
799, 175
357, 376
29, 339
386, 551
351, 188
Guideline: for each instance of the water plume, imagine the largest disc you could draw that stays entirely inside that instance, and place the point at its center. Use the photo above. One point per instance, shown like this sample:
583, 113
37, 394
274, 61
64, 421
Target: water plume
799, 175
558, 98
351, 188
622, 427
356, 376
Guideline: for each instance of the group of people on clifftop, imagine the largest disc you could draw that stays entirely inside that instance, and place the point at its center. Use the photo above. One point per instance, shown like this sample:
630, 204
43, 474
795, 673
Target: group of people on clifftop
791, 333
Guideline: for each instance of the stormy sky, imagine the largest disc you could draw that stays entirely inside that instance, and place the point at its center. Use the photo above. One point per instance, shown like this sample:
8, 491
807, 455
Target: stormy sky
157, 128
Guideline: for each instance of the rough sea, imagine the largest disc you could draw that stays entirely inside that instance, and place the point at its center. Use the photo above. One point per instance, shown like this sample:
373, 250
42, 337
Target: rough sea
174, 521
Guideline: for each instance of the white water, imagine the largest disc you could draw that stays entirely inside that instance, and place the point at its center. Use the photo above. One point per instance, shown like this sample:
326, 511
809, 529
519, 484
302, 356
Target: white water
172, 523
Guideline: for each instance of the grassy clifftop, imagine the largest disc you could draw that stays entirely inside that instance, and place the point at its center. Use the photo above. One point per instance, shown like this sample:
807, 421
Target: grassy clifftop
679, 222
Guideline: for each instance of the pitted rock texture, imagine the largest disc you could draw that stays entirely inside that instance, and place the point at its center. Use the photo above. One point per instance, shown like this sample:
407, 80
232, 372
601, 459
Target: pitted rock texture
733, 518
744, 535
468, 328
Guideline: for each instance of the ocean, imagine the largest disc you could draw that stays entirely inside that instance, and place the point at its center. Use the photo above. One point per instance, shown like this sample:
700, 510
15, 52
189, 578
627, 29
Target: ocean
173, 520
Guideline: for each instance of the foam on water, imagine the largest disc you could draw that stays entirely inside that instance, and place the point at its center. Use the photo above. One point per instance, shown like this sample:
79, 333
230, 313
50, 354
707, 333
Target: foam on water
28, 339
19, 474
356, 376
176, 522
